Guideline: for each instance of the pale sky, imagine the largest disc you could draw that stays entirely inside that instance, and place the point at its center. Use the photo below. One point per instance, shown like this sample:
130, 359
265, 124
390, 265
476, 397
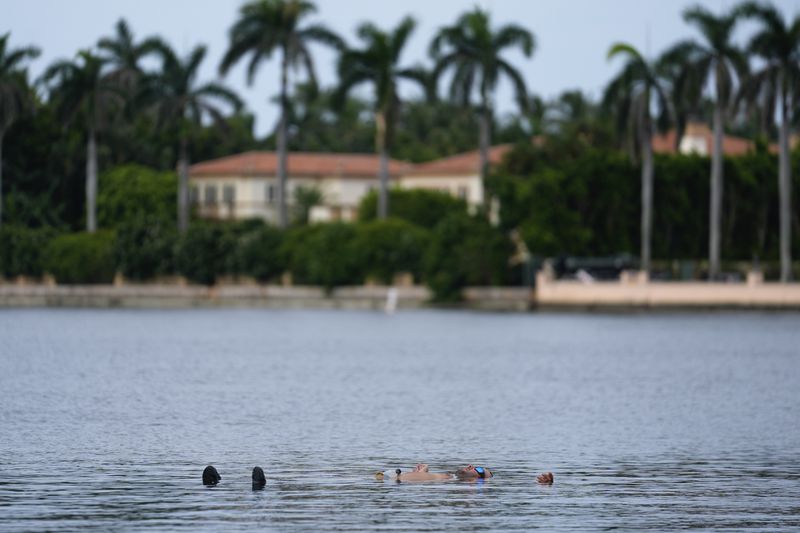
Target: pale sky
573, 36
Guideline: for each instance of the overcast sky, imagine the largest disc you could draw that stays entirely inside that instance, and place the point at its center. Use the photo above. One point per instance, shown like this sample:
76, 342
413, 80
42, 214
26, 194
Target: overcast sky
572, 36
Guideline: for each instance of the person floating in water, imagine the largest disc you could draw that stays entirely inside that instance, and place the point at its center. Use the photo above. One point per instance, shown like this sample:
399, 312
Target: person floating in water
422, 473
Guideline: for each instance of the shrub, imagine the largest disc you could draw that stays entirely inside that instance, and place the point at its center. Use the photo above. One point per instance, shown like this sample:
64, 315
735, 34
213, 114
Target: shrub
145, 248
259, 253
21, 250
322, 254
205, 251
465, 251
128, 193
387, 247
81, 257
420, 207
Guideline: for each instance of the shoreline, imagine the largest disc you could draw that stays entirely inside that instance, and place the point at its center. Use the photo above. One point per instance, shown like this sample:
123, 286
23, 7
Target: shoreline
548, 295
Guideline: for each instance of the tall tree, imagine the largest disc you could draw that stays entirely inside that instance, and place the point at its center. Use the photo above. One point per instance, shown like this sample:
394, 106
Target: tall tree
377, 63
123, 54
634, 91
82, 91
777, 42
473, 52
14, 92
263, 27
718, 58
180, 101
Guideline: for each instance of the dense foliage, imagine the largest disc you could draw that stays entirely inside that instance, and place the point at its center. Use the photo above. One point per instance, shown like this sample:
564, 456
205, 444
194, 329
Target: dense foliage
418, 206
571, 187
81, 258
587, 204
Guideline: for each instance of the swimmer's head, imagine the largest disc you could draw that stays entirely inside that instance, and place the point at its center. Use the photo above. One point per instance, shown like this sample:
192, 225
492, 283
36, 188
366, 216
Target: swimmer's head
474, 472
421, 467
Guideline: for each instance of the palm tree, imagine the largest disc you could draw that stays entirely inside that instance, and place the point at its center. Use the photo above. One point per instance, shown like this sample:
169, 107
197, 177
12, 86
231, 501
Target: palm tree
684, 89
472, 51
14, 92
719, 57
263, 27
377, 64
83, 90
634, 90
778, 44
123, 54
179, 101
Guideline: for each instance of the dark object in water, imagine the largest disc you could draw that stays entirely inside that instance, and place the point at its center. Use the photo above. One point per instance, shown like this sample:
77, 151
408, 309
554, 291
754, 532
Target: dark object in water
259, 479
210, 476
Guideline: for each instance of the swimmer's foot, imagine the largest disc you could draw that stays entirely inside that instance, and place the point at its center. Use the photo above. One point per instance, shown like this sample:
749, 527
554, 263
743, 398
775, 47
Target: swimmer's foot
259, 479
545, 479
210, 476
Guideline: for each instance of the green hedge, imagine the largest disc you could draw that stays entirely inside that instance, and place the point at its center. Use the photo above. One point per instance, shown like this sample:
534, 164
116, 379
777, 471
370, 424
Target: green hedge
258, 253
22, 250
81, 258
588, 203
323, 254
465, 251
145, 248
420, 207
205, 252
388, 247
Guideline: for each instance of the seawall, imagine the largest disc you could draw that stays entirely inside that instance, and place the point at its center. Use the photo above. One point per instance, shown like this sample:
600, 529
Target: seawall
549, 294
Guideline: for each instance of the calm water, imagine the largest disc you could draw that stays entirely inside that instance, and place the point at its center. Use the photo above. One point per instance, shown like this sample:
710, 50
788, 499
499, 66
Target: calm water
649, 422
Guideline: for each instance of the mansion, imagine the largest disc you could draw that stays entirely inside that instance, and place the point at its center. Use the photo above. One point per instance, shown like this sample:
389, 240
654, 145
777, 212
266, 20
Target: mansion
245, 185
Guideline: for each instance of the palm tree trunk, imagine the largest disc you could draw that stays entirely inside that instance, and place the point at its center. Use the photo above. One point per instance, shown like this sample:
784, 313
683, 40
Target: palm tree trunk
2, 134
484, 139
715, 213
785, 192
383, 169
647, 192
91, 183
183, 186
282, 146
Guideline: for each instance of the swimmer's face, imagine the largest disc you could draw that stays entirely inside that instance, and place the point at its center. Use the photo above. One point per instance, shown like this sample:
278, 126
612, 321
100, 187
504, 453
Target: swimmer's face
472, 472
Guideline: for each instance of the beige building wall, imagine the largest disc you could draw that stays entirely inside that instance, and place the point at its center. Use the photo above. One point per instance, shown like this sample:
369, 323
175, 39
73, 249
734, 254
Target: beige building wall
252, 194
466, 187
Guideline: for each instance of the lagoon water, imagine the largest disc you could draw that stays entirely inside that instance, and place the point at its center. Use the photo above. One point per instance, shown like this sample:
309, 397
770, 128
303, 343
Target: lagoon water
648, 421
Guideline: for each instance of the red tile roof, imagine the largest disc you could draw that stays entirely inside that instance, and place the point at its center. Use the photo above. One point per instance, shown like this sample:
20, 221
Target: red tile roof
466, 163
311, 164
665, 143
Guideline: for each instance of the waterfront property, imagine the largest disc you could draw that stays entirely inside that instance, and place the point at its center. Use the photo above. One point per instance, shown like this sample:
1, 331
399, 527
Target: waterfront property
246, 185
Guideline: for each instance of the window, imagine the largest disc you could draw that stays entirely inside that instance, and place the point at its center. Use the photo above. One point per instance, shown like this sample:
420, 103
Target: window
210, 194
462, 192
271, 193
229, 194
194, 195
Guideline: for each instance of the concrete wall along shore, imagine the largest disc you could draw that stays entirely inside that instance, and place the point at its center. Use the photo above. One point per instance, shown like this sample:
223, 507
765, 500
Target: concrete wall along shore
630, 293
